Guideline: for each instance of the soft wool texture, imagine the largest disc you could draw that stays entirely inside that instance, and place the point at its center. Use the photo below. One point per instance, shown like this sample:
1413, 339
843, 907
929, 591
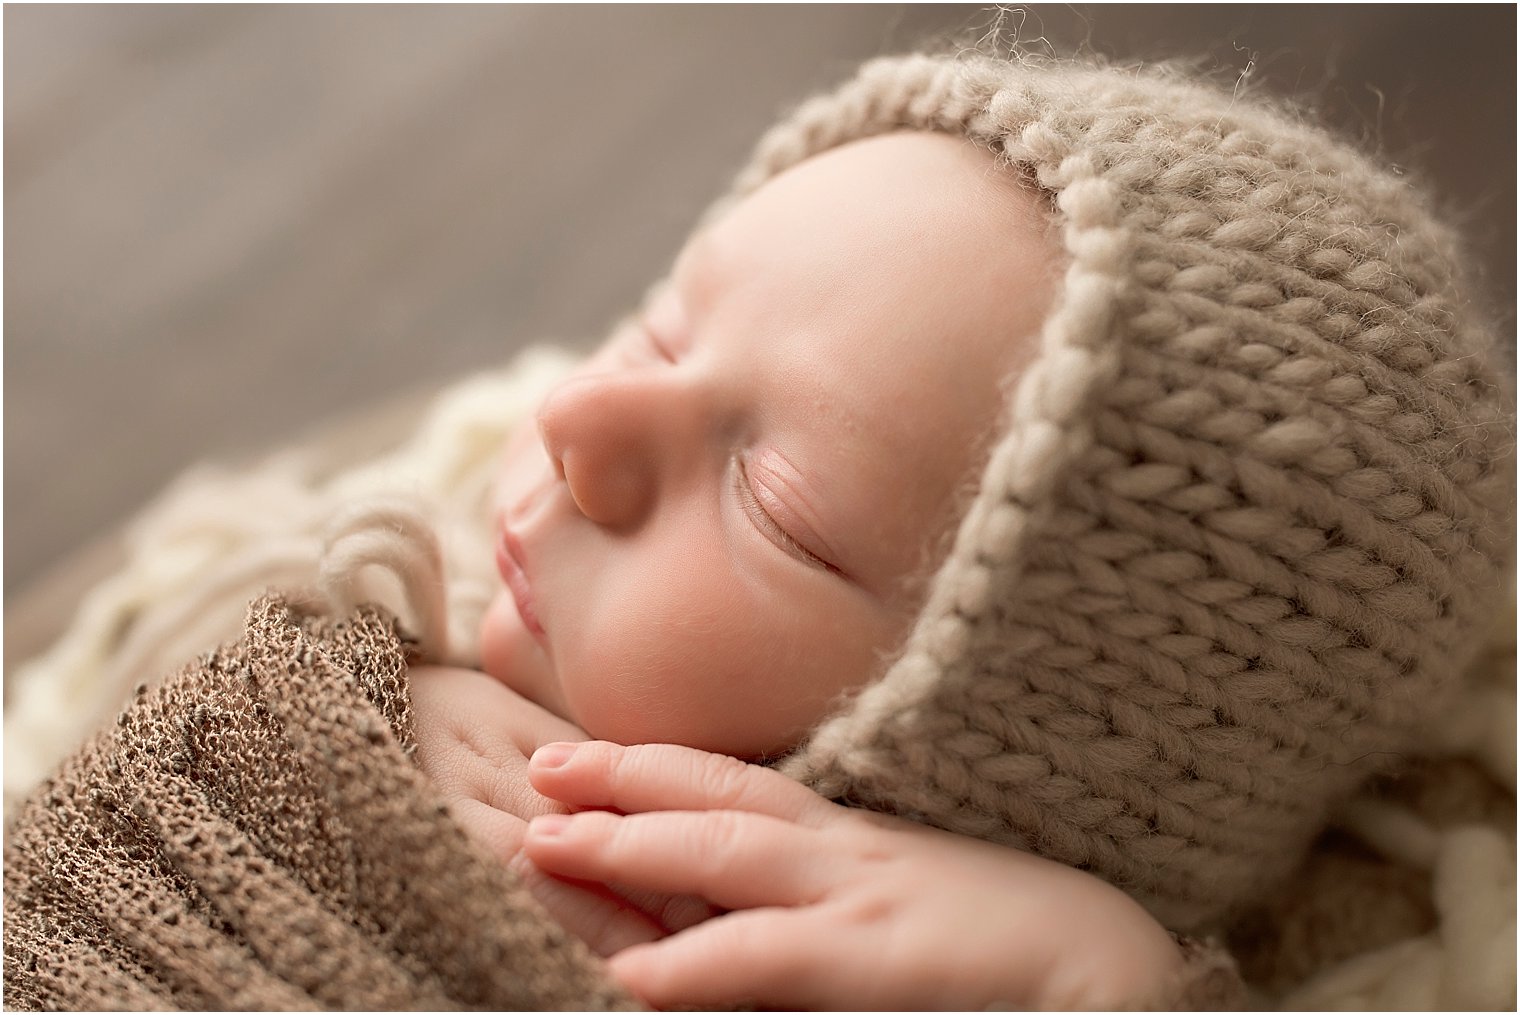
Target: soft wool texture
1252, 496
1408, 902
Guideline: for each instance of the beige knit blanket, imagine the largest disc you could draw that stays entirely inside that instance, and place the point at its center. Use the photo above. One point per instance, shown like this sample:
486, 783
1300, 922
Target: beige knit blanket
251, 833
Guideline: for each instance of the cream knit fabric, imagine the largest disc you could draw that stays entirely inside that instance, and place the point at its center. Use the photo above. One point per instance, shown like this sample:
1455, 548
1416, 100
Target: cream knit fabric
1250, 498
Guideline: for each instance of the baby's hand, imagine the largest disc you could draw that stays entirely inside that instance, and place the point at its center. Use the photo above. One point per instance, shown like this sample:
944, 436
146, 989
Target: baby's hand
474, 738
835, 907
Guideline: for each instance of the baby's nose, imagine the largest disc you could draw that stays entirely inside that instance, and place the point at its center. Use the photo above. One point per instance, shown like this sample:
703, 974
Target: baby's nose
601, 433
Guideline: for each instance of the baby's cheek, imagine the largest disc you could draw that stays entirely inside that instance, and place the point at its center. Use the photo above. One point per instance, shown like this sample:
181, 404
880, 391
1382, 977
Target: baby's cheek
629, 698
731, 701
635, 667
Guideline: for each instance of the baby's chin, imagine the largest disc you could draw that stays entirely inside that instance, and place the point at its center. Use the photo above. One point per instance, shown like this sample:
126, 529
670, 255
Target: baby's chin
510, 653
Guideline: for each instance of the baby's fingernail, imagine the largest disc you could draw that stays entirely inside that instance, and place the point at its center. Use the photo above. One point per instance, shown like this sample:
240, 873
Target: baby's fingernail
548, 825
552, 755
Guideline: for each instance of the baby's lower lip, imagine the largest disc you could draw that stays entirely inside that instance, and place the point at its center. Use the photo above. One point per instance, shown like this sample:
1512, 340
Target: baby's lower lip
509, 563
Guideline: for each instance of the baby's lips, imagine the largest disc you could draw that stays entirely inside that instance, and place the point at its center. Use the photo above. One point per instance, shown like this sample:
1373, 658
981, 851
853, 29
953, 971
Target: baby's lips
512, 562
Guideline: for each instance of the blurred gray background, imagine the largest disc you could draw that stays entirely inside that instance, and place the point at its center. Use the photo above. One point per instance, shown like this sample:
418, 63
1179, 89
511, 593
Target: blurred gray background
225, 224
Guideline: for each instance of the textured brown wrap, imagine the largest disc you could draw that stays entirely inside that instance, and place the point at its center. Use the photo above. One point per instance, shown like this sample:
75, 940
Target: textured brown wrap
252, 833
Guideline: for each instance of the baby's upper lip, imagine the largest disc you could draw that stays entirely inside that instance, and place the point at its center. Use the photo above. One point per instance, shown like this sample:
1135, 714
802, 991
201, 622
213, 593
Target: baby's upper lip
512, 562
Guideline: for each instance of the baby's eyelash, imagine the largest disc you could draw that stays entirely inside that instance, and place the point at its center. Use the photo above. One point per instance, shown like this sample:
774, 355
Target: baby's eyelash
769, 524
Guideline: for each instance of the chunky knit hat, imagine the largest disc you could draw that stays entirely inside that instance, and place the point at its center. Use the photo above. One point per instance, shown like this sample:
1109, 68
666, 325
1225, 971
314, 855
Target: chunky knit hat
1248, 502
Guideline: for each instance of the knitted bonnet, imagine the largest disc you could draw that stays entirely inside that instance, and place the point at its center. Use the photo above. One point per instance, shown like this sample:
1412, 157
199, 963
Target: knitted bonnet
1247, 504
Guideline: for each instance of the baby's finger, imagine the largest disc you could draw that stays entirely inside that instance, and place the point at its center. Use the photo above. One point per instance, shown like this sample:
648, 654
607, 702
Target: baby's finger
663, 777
731, 859
606, 923
670, 912
762, 957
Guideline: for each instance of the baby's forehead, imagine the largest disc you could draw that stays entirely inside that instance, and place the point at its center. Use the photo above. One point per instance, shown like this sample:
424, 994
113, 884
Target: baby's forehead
933, 217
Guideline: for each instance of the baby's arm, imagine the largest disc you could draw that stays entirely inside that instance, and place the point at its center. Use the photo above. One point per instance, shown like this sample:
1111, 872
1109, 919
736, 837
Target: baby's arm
474, 738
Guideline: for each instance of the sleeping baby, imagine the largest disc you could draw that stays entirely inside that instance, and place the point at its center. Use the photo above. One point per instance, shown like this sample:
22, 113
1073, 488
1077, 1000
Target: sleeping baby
1096, 468
723, 521
1221, 461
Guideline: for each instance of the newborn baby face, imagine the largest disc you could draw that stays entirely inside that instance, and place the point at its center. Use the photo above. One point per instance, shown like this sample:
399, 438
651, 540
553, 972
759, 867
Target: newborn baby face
717, 525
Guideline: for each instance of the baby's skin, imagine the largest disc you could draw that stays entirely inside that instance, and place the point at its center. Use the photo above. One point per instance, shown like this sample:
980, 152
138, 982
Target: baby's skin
720, 525
722, 520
